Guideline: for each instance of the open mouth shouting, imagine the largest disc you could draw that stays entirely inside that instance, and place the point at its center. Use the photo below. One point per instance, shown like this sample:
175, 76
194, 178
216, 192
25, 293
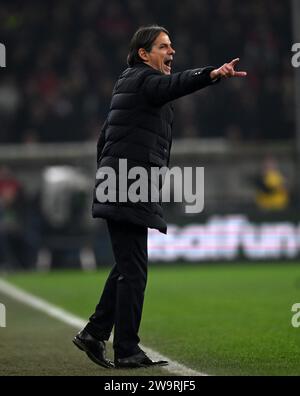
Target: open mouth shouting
167, 65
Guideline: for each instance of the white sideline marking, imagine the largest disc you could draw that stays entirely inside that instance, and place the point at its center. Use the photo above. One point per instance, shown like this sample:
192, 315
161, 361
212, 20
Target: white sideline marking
39, 304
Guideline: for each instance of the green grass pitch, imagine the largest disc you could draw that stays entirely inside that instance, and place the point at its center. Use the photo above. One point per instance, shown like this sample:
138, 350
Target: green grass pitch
221, 320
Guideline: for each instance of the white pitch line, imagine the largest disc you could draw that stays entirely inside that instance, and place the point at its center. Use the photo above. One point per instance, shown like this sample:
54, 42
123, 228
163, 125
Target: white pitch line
39, 304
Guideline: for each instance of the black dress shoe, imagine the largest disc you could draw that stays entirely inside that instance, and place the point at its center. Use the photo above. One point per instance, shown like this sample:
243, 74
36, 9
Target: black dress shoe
138, 360
94, 348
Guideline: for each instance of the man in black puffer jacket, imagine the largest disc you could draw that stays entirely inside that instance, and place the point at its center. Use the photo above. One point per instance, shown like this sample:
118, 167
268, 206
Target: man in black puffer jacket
139, 129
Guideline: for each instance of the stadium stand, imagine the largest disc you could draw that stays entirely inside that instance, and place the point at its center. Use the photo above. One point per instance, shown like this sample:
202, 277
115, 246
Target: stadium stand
63, 59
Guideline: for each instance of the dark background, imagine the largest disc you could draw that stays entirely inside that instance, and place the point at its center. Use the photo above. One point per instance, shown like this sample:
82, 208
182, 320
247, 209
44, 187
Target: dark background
64, 57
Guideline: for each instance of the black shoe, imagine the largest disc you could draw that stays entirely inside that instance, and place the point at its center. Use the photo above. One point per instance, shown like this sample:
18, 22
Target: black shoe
94, 348
138, 360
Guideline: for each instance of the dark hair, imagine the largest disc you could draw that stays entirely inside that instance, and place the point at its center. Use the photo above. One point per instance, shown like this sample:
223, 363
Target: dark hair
144, 37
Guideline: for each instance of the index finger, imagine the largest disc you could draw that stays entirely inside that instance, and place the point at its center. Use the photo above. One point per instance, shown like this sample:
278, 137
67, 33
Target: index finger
240, 74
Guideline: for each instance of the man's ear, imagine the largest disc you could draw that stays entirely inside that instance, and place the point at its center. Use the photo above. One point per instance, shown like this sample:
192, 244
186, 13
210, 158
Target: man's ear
143, 54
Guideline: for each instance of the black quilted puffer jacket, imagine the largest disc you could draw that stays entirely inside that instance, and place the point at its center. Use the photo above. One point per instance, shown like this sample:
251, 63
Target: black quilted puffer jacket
139, 128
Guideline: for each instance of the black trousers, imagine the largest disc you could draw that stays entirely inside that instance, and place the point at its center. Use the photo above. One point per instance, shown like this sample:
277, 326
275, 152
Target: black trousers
122, 299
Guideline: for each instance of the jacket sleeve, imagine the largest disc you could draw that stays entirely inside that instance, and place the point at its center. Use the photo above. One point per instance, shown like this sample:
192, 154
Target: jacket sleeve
160, 89
101, 140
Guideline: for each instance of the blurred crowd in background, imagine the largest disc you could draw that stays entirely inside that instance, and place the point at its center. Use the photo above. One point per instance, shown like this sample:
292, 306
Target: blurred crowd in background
37, 230
64, 57
15, 228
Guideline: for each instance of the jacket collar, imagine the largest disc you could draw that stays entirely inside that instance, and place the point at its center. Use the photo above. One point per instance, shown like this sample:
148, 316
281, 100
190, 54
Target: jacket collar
144, 65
